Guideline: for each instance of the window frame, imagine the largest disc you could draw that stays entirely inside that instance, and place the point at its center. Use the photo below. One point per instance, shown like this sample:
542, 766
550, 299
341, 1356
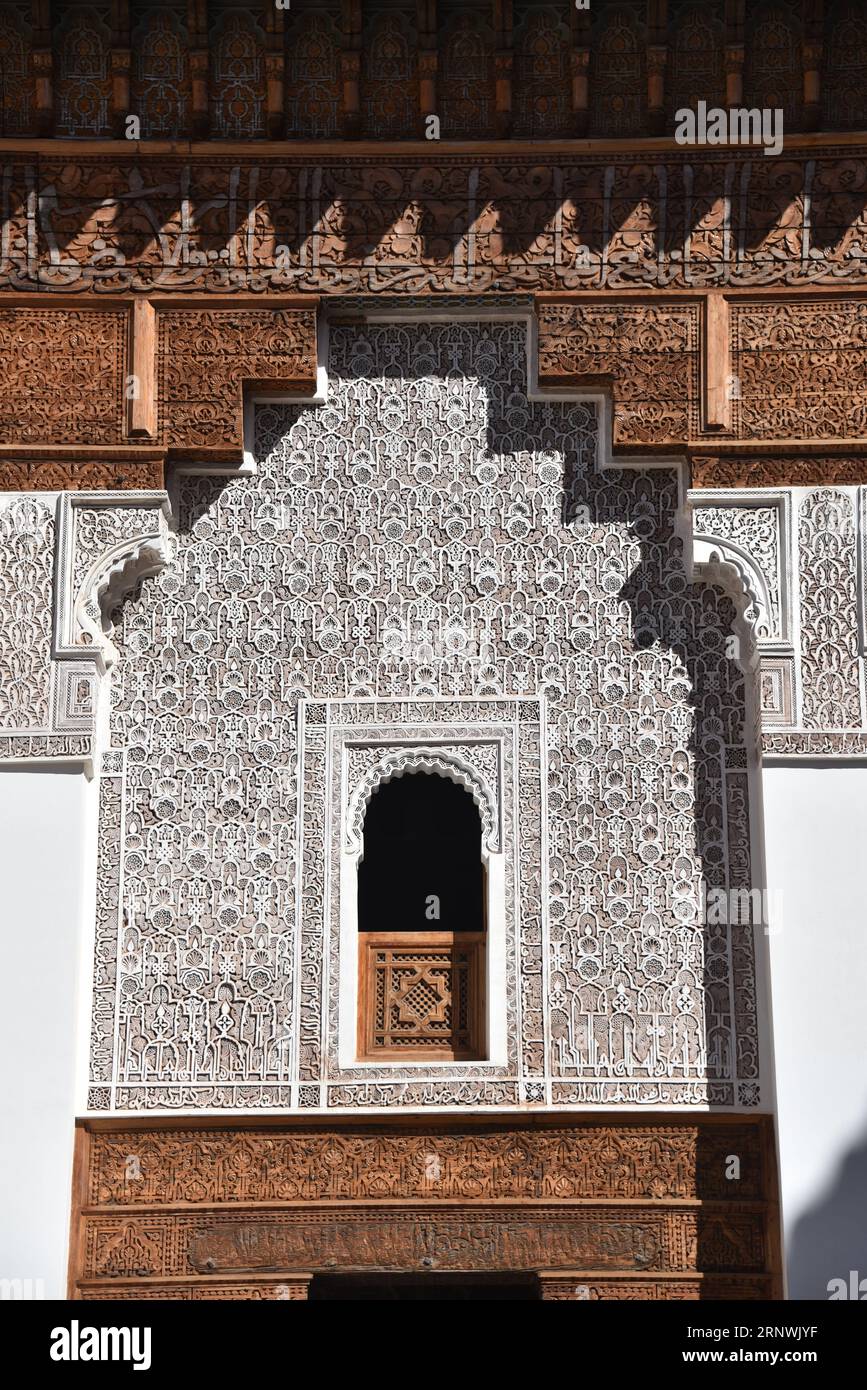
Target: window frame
443, 758
331, 732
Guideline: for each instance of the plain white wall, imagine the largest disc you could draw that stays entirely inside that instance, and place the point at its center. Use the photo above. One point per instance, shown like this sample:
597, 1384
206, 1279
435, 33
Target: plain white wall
816, 855
42, 862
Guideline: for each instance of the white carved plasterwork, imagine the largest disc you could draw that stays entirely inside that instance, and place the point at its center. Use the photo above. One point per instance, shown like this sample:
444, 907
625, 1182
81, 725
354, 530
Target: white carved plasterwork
66, 562
26, 552
828, 662
811, 642
475, 767
106, 546
742, 540
746, 537
428, 532
830, 669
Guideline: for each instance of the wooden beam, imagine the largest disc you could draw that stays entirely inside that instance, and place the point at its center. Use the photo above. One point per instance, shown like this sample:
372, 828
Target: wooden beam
657, 61
503, 64
811, 60
275, 69
199, 62
120, 62
141, 382
717, 382
350, 68
426, 30
580, 25
735, 52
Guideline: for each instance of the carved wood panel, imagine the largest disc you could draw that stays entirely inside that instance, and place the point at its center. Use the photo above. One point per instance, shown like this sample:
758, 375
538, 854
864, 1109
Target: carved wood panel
773, 469
617, 1208
649, 353
62, 373
466, 222
420, 995
800, 369
160, 86
205, 356
100, 394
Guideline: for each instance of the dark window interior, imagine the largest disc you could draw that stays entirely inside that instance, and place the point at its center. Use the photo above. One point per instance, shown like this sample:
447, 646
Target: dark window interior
422, 839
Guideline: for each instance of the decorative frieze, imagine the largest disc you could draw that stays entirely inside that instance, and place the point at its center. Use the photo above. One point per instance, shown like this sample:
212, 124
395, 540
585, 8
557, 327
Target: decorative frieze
130, 470
173, 381
810, 468
453, 223
593, 1160
605, 1208
409, 1237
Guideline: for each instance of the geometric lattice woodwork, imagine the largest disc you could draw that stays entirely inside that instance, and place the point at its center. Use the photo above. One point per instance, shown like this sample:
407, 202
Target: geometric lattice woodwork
421, 994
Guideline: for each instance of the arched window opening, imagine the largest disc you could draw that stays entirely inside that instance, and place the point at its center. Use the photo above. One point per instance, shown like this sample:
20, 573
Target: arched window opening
422, 865
421, 919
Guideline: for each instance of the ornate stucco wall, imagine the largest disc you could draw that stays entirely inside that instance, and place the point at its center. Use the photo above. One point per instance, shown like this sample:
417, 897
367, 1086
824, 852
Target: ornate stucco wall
440, 540
440, 536
428, 532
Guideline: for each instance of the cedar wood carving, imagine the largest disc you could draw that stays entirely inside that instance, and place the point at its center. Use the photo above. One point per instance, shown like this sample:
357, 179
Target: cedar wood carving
632, 1209
721, 300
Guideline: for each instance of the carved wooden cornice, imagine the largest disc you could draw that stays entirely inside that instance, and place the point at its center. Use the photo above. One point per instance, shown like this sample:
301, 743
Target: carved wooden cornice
618, 1206
720, 300
403, 219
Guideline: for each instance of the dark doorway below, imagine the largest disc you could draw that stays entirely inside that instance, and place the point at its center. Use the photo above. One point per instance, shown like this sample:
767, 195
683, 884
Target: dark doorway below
423, 1286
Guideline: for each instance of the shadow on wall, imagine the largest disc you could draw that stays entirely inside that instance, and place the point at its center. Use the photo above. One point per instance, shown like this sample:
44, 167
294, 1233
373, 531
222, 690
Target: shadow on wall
830, 1240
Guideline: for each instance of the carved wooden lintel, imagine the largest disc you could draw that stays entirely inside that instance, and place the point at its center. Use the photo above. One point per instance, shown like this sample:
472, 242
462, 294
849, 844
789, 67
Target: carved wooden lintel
291, 1287
614, 1207
576, 1286
777, 468
80, 469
